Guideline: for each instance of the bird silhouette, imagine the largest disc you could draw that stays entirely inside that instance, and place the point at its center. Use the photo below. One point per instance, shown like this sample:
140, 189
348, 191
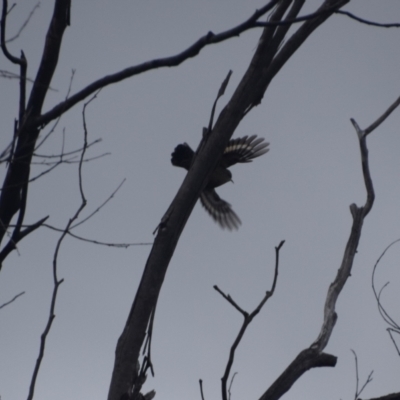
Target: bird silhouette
240, 150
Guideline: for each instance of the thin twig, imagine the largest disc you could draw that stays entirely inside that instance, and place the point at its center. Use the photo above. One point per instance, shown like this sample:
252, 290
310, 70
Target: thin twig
25, 23
56, 281
357, 379
12, 243
230, 386
367, 22
12, 300
53, 128
393, 325
100, 206
382, 118
67, 153
390, 330
123, 245
201, 389
229, 299
368, 380
246, 322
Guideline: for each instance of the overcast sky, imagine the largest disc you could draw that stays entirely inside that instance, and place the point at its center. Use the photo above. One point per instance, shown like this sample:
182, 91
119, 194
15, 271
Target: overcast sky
300, 192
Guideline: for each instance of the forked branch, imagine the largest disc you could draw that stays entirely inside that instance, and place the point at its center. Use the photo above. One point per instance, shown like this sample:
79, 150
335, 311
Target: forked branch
248, 317
314, 356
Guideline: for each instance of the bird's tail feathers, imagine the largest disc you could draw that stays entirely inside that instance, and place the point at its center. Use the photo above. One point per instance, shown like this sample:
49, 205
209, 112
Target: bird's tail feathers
182, 156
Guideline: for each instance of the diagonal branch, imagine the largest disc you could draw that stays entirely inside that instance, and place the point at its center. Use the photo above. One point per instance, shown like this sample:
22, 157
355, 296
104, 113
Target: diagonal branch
12, 300
191, 51
13, 195
173, 222
314, 356
367, 22
382, 118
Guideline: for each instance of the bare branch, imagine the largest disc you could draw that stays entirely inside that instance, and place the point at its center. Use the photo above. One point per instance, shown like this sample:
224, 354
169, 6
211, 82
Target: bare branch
393, 396
121, 245
13, 195
382, 117
17, 236
368, 380
261, 71
47, 135
364, 21
100, 206
12, 300
358, 213
15, 60
221, 92
229, 299
201, 389
25, 23
313, 356
56, 281
230, 386
67, 153
393, 326
191, 51
246, 322
7, 54
306, 359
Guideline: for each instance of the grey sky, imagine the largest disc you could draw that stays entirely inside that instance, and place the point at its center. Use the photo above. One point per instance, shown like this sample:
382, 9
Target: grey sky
300, 191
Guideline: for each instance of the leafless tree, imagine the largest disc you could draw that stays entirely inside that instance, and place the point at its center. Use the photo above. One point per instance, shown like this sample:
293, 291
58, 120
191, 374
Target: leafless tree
274, 49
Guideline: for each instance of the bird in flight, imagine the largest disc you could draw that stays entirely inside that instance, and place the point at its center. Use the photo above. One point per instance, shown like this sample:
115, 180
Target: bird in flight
240, 150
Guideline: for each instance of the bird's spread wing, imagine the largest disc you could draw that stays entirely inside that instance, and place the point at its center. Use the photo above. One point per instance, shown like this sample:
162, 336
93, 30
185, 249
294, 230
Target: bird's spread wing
243, 150
219, 209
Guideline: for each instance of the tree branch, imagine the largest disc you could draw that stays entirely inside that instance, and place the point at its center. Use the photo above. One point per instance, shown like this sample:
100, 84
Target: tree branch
174, 220
307, 359
14, 192
190, 52
248, 318
365, 21
57, 282
12, 300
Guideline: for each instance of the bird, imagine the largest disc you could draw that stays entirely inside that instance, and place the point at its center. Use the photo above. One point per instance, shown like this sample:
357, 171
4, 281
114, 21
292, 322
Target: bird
240, 150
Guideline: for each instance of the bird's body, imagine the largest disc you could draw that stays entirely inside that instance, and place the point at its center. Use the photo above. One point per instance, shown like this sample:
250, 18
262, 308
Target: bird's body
241, 150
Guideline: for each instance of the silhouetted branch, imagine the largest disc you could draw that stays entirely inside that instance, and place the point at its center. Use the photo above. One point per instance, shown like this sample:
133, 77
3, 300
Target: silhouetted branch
12, 300
390, 330
47, 135
268, 58
368, 380
230, 386
201, 389
56, 281
191, 51
122, 245
358, 214
66, 153
393, 326
24, 24
246, 322
393, 396
17, 236
313, 356
7, 54
100, 206
367, 22
382, 118
14, 189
